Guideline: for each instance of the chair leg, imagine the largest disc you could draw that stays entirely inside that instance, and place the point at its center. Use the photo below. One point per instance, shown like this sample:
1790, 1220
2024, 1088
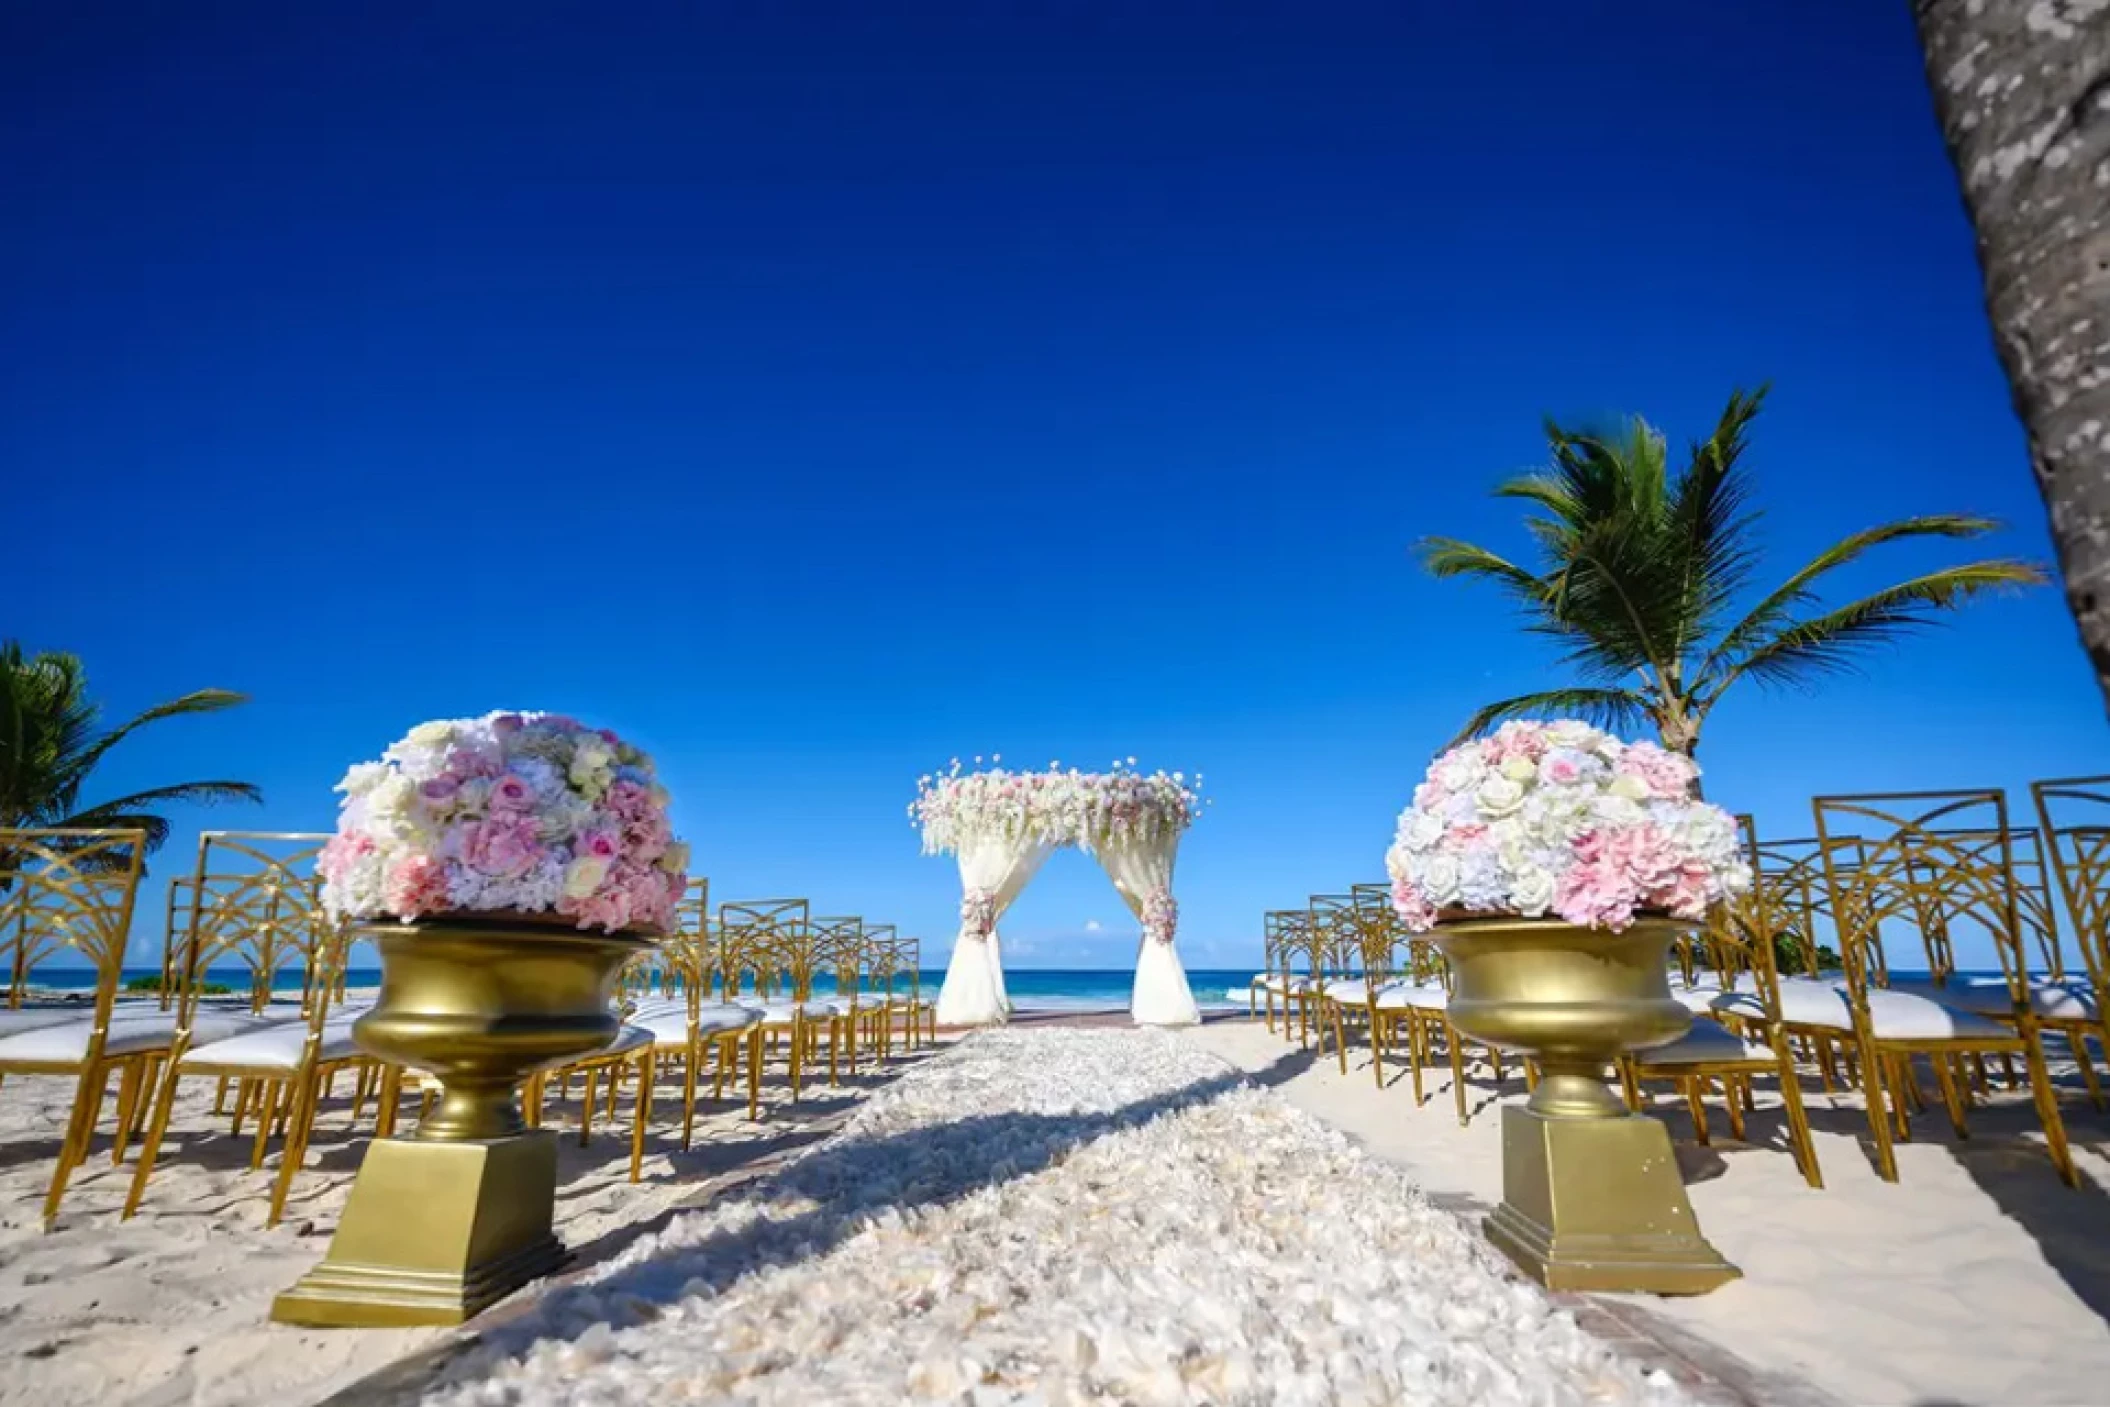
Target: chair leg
391, 1096
295, 1150
1799, 1124
273, 1090
1698, 1106
642, 1114
1340, 1037
80, 1132
1630, 1084
1457, 1048
1733, 1103
2077, 1041
1945, 1076
128, 1082
593, 1084
1417, 1049
754, 1074
688, 1089
1878, 1113
2047, 1103
157, 1129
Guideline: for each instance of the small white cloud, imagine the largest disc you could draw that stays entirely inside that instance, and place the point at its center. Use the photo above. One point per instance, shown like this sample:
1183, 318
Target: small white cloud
1092, 925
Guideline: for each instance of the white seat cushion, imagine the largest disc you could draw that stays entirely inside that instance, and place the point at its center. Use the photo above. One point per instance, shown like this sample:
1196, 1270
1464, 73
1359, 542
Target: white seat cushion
130, 1034
1803, 1002
36, 1018
1990, 996
780, 1013
1705, 1043
1406, 996
274, 1047
1347, 989
671, 1028
628, 1041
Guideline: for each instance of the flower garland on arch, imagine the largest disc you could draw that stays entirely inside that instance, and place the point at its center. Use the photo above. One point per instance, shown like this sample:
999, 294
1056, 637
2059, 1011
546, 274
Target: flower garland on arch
1056, 807
1161, 915
977, 915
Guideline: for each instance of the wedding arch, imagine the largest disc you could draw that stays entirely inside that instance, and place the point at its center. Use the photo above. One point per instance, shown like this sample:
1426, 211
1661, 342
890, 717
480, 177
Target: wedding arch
1003, 826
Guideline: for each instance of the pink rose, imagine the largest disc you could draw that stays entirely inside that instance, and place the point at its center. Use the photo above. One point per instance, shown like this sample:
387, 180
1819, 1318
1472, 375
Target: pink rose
1667, 775
511, 794
503, 847
417, 885
439, 790
602, 845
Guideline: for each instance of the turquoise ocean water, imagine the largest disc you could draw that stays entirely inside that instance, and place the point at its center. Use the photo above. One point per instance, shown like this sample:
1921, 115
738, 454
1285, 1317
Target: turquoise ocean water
1084, 989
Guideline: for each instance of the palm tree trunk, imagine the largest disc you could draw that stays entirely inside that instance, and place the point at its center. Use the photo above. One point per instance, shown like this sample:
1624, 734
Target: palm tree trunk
2023, 95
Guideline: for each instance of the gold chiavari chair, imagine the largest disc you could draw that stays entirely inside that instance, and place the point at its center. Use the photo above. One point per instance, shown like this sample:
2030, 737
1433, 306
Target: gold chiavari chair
920, 1016
770, 941
259, 902
1738, 945
1289, 935
1344, 993
1415, 997
866, 1016
632, 1055
175, 923
682, 1028
838, 950
74, 889
2074, 816
1905, 869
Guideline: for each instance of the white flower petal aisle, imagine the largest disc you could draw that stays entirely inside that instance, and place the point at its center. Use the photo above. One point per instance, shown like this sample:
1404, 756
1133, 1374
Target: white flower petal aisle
1060, 1216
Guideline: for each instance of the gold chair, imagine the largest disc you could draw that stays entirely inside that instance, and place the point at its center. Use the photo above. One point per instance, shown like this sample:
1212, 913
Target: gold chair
873, 979
75, 889
257, 900
839, 949
1738, 943
770, 943
175, 923
683, 1028
1902, 869
919, 1016
2074, 826
1416, 996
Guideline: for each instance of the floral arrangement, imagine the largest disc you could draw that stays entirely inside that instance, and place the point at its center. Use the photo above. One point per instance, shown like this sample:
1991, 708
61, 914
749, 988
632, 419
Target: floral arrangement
1161, 915
977, 913
512, 812
1562, 818
1056, 807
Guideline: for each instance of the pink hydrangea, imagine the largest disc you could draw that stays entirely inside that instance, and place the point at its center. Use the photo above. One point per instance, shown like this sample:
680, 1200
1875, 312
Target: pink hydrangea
417, 885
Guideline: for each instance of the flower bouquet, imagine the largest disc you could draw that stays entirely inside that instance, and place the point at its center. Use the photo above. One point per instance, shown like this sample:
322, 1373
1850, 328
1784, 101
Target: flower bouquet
1562, 819
515, 813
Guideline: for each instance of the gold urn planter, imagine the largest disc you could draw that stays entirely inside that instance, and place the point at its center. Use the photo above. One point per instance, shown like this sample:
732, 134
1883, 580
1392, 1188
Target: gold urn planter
1591, 1195
444, 1223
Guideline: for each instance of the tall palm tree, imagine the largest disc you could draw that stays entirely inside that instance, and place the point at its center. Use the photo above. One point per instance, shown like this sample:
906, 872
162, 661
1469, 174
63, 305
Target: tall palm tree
2023, 96
1640, 572
49, 745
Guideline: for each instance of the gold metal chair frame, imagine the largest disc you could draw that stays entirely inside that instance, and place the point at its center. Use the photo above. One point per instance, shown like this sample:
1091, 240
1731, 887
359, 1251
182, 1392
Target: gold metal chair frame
1907, 868
269, 915
68, 888
771, 941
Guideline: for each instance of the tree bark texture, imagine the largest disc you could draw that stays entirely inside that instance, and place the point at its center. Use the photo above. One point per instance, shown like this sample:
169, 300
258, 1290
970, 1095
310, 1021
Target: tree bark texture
2022, 89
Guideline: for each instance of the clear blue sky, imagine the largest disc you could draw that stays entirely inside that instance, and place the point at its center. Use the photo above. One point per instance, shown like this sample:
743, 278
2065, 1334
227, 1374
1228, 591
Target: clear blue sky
814, 396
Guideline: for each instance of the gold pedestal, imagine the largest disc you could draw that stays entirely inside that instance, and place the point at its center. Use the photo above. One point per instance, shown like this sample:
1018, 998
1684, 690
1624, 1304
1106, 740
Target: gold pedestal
1597, 1204
434, 1233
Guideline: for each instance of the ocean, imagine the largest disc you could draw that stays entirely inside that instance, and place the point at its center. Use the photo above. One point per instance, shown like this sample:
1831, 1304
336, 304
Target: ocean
1080, 989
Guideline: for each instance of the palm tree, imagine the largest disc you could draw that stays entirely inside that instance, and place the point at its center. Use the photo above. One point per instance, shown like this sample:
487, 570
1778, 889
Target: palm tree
1640, 572
49, 745
2023, 96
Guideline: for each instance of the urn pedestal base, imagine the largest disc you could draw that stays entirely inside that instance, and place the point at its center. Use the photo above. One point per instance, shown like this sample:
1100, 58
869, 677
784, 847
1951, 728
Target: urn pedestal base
434, 1233
1597, 1204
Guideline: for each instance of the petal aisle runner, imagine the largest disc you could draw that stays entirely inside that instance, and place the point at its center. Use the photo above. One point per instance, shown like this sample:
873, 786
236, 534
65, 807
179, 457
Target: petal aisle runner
1061, 1216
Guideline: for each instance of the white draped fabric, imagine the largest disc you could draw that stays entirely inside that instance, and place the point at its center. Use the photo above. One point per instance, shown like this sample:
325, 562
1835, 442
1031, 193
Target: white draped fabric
1140, 870
995, 869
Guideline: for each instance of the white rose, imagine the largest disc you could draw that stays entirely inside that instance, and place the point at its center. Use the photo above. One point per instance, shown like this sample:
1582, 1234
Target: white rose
390, 798
1519, 769
1460, 773
432, 736
584, 875
1531, 890
1618, 810
1438, 879
589, 761
1569, 732
1423, 831
363, 778
1631, 788
1498, 797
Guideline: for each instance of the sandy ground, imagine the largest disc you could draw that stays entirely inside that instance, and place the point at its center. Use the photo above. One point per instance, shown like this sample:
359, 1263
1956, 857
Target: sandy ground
172, 1306
1978, 1280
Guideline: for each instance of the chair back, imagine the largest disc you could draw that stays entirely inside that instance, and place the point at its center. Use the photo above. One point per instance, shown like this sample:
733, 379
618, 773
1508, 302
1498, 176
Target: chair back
2073, 820
768, 942
174, 925
1334, 939
69, 889
1929, 863
690, 951
1288, 939
256, 899
841, 947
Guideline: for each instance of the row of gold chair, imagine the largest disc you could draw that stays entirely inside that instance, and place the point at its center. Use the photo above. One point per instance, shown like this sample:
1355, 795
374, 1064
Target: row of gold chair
1808, 970
280, 1039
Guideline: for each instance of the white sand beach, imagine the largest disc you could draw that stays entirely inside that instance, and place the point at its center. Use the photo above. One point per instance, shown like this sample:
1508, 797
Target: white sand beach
1977, 1279
1087, 1215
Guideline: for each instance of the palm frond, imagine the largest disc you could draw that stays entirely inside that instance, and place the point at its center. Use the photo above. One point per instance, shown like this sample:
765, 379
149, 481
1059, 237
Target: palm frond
1448, 557
1614, 709
1833, 642
1797, 591
1708, 522
197, 701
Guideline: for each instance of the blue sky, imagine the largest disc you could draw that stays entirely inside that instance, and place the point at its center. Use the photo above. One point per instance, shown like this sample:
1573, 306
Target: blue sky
815, 396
